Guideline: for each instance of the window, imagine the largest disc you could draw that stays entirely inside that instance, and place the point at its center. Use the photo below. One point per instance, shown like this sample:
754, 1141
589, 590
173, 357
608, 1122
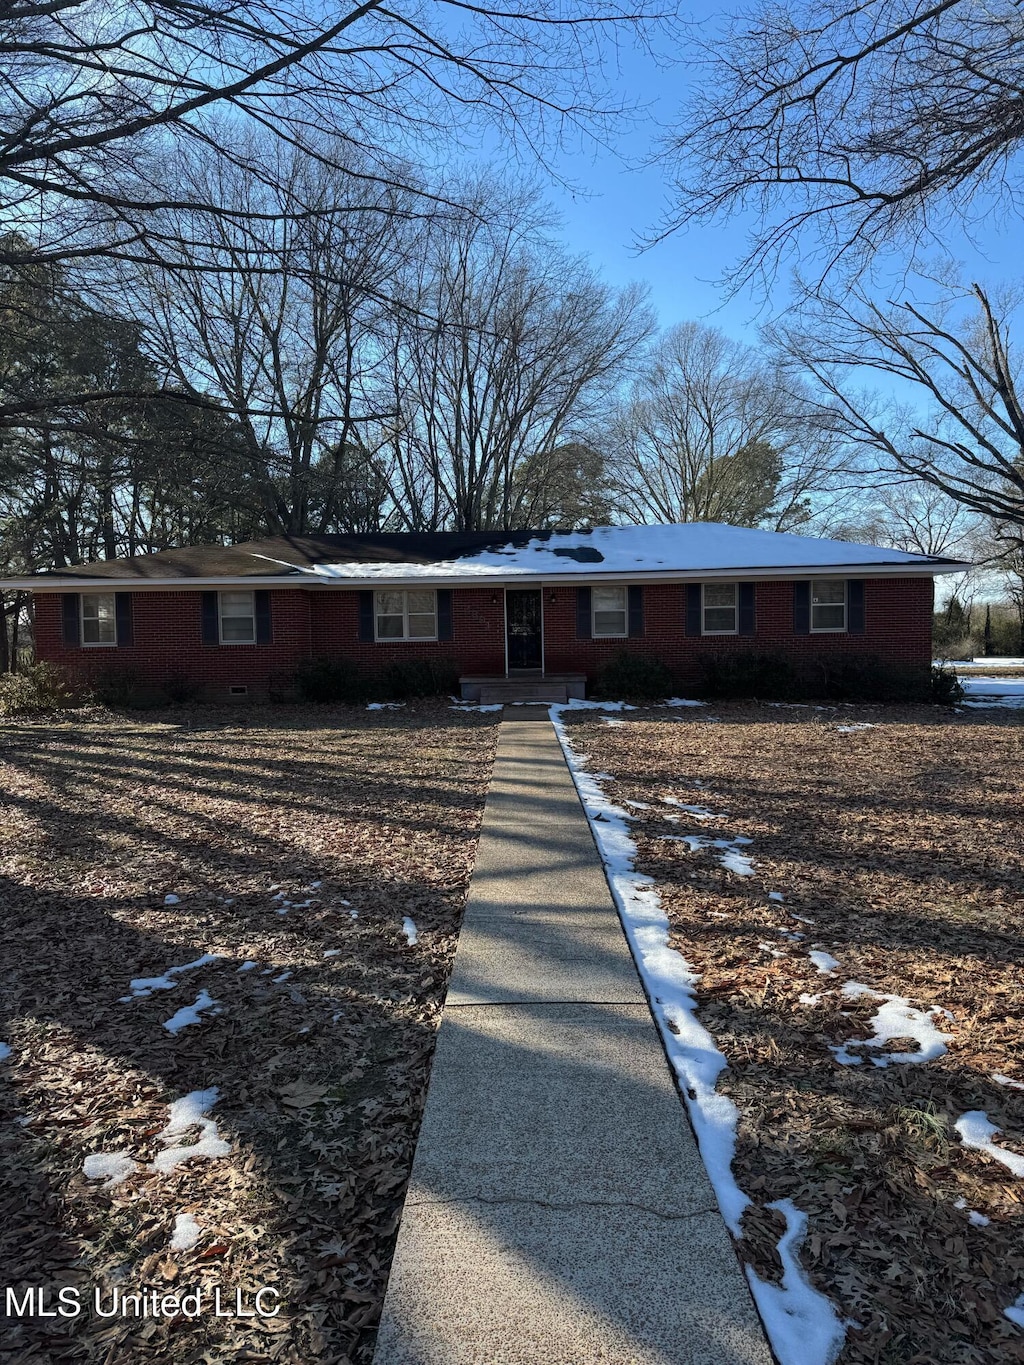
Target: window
237, 618
828, 604
719, 609
609, 608
99, 619
406, 615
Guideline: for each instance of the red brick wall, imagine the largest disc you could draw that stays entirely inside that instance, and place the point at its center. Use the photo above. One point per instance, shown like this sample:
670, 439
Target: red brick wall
166, 629
478, 627
898, 625
897, 629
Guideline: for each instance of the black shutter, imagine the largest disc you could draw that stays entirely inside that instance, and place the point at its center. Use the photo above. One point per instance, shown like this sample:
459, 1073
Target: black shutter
746, 597
855, 606
366, 615
635, 595
444, 614
693, 599
70, 604
261, 607
211, 618
801, 608
123, 617
584, 627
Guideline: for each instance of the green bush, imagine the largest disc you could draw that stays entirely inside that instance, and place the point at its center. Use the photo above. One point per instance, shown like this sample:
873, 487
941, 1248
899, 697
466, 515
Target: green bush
180, 687
748, 673
118, 687
338, 680
946, 688
37, 689
417, 678
874, 681
330, 680
630, 676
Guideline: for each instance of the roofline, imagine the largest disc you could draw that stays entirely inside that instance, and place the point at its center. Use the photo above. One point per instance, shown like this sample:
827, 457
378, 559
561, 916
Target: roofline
321, 583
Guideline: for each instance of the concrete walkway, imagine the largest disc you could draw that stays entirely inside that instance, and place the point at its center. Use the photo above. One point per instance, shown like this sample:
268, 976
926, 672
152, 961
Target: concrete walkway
558, 1212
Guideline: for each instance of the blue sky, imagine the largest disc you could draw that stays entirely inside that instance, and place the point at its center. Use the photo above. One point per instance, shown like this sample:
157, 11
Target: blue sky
619, 202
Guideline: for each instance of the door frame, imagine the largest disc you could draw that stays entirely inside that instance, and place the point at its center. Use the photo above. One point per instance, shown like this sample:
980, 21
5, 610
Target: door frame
504, 603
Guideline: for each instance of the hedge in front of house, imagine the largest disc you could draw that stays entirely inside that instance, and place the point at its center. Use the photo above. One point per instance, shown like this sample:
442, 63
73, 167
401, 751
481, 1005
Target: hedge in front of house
337, 680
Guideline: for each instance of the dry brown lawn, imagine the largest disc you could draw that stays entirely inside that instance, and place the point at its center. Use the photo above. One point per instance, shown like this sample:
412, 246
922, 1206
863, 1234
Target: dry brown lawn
320, 1061
899, 850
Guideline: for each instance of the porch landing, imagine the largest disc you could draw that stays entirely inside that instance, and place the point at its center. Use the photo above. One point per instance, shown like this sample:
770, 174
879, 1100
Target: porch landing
525, 686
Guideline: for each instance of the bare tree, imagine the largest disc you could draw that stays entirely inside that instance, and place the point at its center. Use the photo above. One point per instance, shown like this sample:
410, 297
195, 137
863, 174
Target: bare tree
278, 319
713, 431
866, 122
97, 99
964, 434
509, 353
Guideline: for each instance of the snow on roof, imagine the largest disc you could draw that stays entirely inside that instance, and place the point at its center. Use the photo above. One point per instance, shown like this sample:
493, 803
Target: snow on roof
692, 547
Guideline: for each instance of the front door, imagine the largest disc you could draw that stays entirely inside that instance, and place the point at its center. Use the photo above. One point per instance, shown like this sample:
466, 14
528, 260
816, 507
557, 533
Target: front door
523, 628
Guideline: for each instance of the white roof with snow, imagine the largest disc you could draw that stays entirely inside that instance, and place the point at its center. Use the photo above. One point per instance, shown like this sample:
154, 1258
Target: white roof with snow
690, 549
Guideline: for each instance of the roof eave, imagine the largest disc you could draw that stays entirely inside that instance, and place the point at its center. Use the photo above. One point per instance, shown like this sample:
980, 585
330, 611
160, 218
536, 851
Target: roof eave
321, 582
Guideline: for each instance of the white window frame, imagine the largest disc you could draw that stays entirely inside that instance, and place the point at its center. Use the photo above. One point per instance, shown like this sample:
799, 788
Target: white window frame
220, 616
96, 644
830, 630
405, 637
609, 634
704, 608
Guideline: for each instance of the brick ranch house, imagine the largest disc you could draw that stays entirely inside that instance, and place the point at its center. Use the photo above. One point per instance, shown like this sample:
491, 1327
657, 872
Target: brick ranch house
515, 614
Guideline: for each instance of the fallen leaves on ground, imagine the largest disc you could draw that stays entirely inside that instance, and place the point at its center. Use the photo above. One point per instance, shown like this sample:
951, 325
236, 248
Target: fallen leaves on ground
319, 1047
899, 851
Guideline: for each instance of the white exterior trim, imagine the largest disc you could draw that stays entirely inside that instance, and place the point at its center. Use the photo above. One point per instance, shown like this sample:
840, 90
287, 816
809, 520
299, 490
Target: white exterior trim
590, 574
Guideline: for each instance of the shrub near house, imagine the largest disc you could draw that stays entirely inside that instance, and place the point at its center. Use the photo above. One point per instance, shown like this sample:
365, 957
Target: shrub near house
699, 604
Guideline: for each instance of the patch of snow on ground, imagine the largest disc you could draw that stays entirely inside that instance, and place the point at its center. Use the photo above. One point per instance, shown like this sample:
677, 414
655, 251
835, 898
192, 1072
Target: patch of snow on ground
612, 720
409, 930
190, 1112
385, 705
172, 899
333, 952
853, 729
825, 962
110, 1167
983, 693
248, 966
1000, 1079
187, 1232
802, 1324
776, 896
973, 1216
698, 812
143, 986
283, 977
1015, 1312
809, 1000
895, 1018
682, 701
190, 1014
491, 706
670, 982
730, 856
977, 1130
5, 1051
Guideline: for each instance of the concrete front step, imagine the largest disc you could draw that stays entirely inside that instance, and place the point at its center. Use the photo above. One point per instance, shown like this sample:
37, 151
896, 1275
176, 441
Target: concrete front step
522, 691
533, 686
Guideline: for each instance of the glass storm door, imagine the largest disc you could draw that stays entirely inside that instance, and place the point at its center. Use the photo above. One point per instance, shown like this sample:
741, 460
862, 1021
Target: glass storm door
523, 626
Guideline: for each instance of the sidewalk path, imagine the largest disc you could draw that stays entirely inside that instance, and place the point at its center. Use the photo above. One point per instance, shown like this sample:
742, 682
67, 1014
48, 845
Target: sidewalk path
558, 1211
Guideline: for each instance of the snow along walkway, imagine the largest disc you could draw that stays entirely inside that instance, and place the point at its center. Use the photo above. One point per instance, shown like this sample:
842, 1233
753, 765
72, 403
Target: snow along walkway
558, 1211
